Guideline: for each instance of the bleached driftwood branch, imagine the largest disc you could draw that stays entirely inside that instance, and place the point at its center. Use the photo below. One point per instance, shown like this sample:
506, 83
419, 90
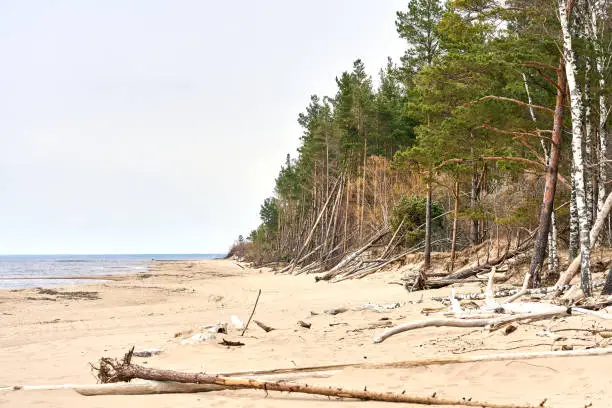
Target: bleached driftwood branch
111, 371
492, 323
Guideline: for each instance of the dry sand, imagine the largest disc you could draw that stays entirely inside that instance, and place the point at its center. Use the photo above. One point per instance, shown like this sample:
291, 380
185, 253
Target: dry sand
50, 338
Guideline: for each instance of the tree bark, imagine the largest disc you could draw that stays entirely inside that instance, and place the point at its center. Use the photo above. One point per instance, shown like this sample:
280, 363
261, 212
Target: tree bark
597, 14
473, 199
453, 322
577, 110
607, 289
112, 371
316, 223
550, 186
427, 255
574, 233
455, 219
574, 267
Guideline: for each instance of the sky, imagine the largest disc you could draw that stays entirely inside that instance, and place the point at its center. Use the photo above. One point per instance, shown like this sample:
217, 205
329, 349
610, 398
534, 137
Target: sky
159, 126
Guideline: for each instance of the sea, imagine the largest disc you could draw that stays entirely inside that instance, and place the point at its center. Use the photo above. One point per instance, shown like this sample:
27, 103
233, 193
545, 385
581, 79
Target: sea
14, 268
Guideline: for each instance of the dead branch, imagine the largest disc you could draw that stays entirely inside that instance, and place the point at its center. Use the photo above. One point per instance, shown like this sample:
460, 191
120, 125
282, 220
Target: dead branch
252, 312
516, 133
502, 293
473, 270
518, 102
334, 271
231, 343
125, 371
264, 326
162, 387
493, 323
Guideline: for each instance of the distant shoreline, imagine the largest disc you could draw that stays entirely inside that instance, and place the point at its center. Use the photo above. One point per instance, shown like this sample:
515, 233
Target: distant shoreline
115, 277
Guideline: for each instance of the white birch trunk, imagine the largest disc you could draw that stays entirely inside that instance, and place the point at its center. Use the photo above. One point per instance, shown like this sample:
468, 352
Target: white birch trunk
574, 230
577, 110
588, 143
596, 15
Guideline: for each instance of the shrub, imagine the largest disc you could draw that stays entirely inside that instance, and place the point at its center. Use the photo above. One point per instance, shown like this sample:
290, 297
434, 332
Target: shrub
413, 210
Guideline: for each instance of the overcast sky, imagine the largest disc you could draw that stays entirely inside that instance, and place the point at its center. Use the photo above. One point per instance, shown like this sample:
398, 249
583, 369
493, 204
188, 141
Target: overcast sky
159, 126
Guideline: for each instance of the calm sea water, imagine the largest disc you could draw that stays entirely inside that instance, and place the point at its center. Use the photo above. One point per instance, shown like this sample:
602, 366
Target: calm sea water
39, 266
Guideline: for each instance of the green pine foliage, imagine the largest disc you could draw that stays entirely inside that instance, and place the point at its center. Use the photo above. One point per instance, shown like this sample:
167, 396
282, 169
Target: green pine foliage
426, 118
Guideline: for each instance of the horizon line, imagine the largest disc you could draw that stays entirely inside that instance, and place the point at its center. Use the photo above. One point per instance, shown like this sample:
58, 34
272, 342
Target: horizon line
116, 253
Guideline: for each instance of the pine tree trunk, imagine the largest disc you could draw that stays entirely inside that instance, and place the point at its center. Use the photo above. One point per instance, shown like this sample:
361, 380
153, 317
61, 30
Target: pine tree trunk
473, 199
346, 212
427, 260
363, 187
577, 110
553, 256
455, 219
550, 186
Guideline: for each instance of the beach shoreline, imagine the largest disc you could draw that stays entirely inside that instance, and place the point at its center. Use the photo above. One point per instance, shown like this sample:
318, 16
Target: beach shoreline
51, 337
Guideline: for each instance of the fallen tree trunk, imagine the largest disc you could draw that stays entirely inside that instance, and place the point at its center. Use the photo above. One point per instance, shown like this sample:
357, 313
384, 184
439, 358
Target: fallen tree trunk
335, 270
371, 270
473, 270
161, 387
113, 371
509, 292
493, 323
574, 267
314, 227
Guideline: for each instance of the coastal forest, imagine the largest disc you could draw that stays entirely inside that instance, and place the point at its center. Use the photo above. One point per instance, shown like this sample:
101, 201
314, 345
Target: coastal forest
487, 137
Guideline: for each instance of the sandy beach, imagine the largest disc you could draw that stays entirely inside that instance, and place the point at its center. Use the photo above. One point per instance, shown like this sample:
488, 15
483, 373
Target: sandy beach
51, 336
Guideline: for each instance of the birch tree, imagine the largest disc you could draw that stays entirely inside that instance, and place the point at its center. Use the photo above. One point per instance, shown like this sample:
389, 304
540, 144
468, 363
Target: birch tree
578, 169
596, 11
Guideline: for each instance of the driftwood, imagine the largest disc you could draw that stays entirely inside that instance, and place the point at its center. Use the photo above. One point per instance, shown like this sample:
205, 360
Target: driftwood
146, 387
373, 269
474, 270
523, 311
264, 326
111, 371
492, 323
252, 312
162, 387
573, 269
454, 359
231, 343
509, 292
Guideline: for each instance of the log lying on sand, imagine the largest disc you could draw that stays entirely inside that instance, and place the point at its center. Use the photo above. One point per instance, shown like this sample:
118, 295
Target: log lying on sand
493, 323
111, 371
162, 387
511, 291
